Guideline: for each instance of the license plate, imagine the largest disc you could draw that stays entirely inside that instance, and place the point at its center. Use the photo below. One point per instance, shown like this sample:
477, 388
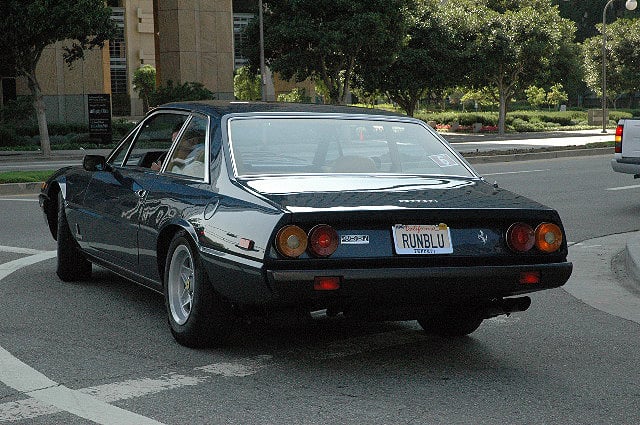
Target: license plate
422, 239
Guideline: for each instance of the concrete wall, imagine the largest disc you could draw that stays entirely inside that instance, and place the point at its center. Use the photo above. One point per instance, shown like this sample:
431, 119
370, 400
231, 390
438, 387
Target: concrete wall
196, 43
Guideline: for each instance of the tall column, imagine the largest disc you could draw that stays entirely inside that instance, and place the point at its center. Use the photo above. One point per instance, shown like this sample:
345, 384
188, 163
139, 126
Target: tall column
195, 43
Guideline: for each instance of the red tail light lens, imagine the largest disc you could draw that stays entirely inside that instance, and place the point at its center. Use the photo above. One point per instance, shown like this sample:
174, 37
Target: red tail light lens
618, 139
521, 237
323, 240
548, 237
291, 241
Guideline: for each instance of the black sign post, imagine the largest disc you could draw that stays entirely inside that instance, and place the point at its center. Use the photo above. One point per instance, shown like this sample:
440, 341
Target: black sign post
100, 117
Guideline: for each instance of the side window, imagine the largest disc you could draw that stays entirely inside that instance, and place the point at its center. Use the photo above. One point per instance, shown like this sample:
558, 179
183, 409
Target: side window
153, 141
189, 157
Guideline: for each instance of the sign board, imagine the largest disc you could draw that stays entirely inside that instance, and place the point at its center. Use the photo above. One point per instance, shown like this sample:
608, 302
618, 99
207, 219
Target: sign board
100, 116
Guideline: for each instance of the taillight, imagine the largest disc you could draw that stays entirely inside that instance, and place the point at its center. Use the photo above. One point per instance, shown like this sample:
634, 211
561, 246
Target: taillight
520, 237
548, 237
323, 240
618, 139
291, 241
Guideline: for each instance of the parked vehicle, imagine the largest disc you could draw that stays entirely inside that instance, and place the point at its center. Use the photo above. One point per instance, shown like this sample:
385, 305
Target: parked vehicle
256, 207
626, 158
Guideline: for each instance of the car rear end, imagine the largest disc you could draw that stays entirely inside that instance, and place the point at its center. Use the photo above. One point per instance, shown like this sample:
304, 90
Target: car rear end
401, 262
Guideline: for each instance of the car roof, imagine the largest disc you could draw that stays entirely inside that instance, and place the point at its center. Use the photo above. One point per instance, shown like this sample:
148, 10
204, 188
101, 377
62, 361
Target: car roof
220, 108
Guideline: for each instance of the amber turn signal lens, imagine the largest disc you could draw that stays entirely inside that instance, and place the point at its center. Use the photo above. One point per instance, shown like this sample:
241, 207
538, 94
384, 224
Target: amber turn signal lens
548, 237
323, 240
291, 241
520, 237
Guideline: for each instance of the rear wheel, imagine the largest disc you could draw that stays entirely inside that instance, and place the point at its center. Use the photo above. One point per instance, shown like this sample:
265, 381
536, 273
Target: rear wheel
452, 324
72, 265
198, 317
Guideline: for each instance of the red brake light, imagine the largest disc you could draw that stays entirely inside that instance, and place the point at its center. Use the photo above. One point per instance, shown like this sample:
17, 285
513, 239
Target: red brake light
323, 240
520, 237
618, 139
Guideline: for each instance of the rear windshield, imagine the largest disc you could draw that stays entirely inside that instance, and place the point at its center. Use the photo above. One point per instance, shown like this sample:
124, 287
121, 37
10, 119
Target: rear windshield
310, 145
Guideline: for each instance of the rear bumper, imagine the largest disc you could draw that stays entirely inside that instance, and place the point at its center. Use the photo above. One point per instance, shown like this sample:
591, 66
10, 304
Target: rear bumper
414, 286
625, 167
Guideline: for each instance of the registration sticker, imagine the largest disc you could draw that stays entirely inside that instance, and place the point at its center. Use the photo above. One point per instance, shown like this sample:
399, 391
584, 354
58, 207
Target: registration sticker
422, 239
354, 239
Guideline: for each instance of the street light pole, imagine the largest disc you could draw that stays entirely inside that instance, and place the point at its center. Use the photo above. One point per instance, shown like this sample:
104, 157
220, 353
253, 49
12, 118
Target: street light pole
263, 75
630, 5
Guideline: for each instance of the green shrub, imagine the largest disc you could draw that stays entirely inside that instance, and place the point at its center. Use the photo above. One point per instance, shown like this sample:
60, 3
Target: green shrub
297, 95
615, 116
180, 92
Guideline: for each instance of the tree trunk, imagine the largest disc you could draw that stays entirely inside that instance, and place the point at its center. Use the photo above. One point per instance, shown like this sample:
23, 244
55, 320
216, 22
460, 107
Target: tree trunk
41, 113
502, 114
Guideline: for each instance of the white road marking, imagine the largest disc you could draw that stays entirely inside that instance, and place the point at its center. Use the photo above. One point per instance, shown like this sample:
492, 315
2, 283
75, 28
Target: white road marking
635, 186
45, 402
18, 250
19, 199
516, 172
7, 268
23, 378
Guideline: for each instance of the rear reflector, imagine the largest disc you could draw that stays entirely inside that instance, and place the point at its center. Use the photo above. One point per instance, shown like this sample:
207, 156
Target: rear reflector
529, 278
326, 283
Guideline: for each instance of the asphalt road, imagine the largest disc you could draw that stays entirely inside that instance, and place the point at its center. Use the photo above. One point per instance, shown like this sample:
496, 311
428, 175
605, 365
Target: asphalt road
100, 351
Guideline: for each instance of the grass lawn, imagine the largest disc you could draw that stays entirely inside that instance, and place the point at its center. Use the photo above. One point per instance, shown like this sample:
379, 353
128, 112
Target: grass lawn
24, 176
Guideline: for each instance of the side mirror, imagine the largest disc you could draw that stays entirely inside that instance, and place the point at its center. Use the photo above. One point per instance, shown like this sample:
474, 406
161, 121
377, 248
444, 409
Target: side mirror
95, 163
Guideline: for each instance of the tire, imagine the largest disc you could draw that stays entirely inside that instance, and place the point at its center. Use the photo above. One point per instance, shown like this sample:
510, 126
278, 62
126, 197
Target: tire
452, 324
72, 265
197, 316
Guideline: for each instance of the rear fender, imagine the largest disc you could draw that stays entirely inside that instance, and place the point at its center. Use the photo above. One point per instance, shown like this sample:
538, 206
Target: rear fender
165, 237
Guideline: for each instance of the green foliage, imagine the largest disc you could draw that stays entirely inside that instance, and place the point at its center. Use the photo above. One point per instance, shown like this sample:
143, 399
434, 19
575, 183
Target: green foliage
247, 84
623, 59
17, 111
297, 95
484, 97
144, 82
536, 96
507, 45
180, 92
556, 95
25, 176
28, 26
426, 61
324, 40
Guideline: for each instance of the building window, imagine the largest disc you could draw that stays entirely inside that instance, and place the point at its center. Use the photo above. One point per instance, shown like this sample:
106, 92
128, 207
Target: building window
118, 54
240, 22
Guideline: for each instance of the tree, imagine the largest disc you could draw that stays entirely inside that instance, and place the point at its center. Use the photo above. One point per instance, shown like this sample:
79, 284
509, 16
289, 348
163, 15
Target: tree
28, 26
144, 82
428, 59
508, 45
325, 39
556, 95
623, 59
536, 96
246, 84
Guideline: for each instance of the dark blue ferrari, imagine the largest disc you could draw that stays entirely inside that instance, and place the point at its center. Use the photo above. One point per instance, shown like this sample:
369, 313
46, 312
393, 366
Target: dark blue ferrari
233, 209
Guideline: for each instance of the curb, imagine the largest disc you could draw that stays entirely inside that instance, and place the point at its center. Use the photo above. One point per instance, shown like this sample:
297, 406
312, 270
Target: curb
20, 188
483, 159
632, 258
